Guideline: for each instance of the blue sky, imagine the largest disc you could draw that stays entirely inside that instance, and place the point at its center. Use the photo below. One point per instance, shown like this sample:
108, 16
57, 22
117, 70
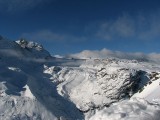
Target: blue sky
70, 26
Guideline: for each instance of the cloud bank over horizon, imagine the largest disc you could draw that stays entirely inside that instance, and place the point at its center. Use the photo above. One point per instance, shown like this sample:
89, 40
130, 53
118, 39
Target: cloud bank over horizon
105, 53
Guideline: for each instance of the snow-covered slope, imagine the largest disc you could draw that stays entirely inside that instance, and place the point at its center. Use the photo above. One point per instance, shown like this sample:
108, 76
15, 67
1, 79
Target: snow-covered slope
151, 91
25, 92
93, 85
98, 83
36, 86
134, 109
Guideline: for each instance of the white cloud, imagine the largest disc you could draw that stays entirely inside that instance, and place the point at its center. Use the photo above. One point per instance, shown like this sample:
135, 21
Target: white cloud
138, 27
121, 27
13, 6
47, 35
105, 53
150, 27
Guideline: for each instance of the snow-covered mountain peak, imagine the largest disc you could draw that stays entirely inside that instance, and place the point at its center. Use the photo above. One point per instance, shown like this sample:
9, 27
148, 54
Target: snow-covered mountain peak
32, 45
23, 49
34, 48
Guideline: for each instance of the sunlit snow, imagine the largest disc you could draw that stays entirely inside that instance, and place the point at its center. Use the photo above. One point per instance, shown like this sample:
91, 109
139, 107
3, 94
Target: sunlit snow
36, 86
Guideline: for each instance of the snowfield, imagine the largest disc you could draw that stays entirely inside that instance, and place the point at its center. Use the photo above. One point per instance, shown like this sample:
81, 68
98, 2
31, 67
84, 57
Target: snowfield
36, 86
134, 109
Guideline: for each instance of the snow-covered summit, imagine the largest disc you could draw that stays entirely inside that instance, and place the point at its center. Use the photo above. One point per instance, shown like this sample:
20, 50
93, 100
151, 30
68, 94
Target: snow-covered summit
22, 49
25, 44
36, 49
